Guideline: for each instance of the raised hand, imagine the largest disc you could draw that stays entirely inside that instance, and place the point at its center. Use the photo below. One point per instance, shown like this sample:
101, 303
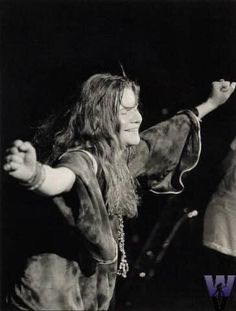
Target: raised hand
221, 91
20, 160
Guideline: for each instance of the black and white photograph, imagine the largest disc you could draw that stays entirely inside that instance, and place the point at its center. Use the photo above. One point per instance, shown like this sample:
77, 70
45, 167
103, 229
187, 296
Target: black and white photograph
118, 155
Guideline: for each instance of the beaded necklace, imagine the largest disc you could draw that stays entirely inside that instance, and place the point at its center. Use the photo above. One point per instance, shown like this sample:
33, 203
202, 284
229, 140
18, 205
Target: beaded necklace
123, 265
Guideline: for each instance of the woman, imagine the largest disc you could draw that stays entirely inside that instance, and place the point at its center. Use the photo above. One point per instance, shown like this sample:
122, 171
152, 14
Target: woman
93, 154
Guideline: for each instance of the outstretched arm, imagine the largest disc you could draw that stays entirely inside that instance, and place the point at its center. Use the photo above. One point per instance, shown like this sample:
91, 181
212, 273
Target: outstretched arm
172, 148
221, 91
21, 164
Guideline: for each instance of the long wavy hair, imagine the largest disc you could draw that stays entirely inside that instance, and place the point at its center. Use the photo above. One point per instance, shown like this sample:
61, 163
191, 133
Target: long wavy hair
91, 122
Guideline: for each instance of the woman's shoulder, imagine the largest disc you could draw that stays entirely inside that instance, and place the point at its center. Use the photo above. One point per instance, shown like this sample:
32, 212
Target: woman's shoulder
78, 158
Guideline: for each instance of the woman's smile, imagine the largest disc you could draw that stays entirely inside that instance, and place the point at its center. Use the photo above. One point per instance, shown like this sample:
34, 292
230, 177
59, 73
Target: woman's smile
130, 118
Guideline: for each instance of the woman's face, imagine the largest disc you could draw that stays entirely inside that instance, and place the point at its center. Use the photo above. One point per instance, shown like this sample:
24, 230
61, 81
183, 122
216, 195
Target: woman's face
129, 118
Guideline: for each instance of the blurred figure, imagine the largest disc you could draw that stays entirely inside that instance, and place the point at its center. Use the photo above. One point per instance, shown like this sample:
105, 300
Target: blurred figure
219, 234
220, 216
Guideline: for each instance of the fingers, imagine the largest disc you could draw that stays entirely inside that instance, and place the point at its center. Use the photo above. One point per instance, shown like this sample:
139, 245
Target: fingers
12, 150
16, 155
233, 85
11, 166
14, 158
22, 146
13, 161
230, 87
224, 86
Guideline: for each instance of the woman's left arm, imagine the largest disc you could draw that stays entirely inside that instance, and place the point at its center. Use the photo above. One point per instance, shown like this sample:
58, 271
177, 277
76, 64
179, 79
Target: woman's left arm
221, 91
171, 148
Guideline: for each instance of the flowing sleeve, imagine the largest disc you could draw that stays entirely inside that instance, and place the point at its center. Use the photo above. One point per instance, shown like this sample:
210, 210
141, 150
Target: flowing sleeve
166, 152
86, 213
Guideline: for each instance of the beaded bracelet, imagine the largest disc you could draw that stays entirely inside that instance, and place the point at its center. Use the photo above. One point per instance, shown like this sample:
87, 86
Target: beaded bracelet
37, 179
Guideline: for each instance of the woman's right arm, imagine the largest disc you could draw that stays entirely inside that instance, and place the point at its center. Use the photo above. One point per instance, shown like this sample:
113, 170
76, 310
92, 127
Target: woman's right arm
21, 164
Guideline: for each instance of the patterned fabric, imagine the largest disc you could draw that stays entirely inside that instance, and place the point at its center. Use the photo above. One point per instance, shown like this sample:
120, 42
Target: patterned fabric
80, 273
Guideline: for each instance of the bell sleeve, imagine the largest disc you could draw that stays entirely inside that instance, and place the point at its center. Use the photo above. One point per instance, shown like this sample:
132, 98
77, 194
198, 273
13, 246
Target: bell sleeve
87, 214
166, 152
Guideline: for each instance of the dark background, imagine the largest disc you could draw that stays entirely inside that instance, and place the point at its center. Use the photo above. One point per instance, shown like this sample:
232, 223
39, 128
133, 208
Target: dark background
174, 49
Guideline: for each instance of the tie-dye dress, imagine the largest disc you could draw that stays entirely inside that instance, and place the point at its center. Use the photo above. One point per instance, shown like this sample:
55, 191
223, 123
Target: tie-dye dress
77, 269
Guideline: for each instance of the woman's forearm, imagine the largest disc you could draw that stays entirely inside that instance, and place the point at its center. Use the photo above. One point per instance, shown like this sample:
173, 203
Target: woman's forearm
220, 92
205, 108
57, 180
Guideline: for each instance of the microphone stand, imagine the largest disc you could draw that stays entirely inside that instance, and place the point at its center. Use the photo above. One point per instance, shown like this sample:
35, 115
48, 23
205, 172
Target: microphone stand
147, 273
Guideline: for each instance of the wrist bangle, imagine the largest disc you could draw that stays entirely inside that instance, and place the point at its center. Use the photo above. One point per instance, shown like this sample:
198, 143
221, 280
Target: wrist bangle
37, 179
